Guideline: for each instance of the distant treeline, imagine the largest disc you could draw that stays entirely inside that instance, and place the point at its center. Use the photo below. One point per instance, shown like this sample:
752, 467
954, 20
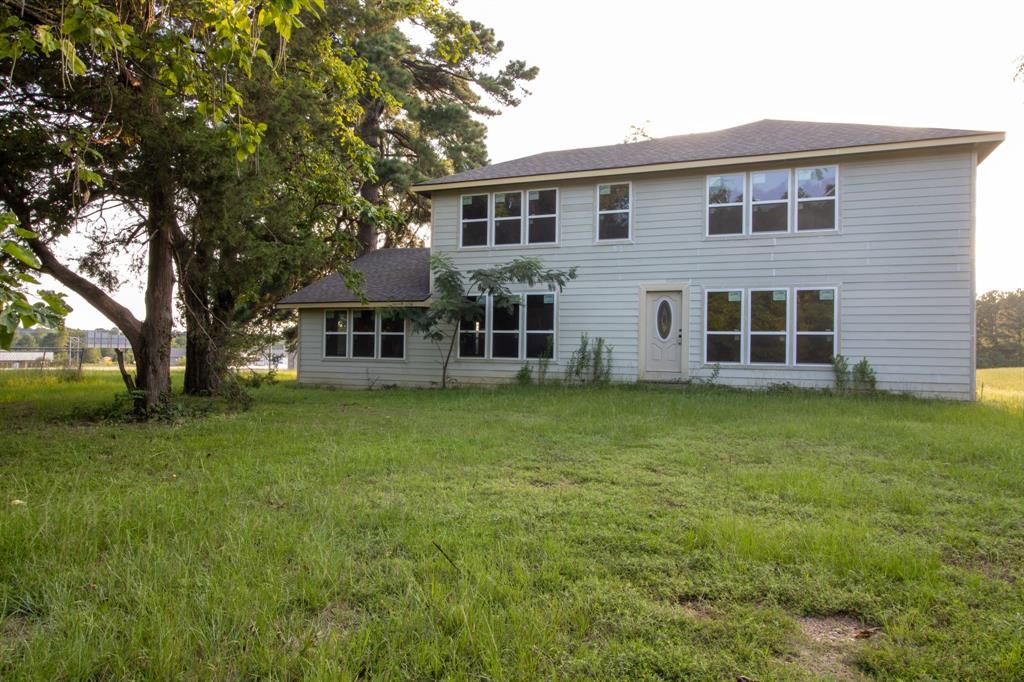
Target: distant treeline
1000, 319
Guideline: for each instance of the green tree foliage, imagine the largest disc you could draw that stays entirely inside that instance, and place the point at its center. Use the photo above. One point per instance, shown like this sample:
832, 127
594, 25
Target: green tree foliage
1000, 329
426, 122
17, 307
457, 298
93, 96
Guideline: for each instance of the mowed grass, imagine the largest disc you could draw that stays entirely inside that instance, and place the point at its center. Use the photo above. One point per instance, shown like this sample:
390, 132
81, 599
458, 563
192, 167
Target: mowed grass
516, 533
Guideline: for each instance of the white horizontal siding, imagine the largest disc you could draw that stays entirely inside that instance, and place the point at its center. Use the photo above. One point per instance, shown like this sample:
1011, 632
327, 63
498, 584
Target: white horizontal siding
902, 261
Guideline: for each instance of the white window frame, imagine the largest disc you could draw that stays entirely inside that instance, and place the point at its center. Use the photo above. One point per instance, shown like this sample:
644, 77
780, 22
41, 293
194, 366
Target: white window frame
796, 205
493, 231
554, 322
790, 175
835, 323
750, 325
741, 332
348, 320
742, 204
599, 213
381, 334
526, 224
486, 221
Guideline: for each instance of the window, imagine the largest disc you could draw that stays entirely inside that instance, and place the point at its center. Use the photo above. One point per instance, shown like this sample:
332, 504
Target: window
364, 332
335, 333
474, 220
542, 216
523, 329
508, 218
769, 201
768, 328
473, 331
725, 204
816, 198
505, 325
540, 325
392, 337
723, 315
815, 326
613, 211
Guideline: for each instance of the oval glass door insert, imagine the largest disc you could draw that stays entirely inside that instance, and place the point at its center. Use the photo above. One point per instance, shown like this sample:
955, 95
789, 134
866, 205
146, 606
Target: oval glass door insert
664, 319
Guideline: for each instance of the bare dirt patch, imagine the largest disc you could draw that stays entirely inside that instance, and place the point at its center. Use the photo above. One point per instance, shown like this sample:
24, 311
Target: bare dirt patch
829, 642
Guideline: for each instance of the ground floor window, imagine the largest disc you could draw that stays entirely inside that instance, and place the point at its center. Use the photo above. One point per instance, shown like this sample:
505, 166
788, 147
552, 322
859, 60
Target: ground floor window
760, 326
363, 333
815, 326
524, 328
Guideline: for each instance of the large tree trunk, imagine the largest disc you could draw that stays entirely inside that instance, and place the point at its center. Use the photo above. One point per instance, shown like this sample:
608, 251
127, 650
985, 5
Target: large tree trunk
370, 133
153, 348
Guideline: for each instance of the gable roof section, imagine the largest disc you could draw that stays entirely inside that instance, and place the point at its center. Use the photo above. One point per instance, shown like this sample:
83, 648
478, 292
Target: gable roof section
389, 276
744, 143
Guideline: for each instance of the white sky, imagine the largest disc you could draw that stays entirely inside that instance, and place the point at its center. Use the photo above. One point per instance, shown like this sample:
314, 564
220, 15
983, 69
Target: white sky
682, 67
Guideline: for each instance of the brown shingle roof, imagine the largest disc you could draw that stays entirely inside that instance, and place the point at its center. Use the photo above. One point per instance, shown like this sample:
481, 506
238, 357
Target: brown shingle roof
752, 139
389, 275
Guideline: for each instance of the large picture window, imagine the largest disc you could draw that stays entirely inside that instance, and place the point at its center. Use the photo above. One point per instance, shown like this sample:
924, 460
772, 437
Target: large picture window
769, 313
524, 329
769, 201
723, 332
474, 218
542, 216
815, 326
613, 211
508, 218
725, 203
816, 198
363, 333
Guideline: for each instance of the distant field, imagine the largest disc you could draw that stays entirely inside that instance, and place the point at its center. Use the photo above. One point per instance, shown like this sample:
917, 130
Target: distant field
628, 533
1005, 384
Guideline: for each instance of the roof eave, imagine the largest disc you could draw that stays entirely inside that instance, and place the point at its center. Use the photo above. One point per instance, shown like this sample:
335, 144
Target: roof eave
986, 143
356, 304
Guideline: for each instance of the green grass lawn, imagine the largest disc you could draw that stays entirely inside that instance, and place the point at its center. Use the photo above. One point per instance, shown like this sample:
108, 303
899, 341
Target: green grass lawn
518, 533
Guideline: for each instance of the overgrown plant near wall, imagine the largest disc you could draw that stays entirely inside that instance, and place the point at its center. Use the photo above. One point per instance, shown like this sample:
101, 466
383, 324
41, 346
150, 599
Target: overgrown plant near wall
860, 379
591, 362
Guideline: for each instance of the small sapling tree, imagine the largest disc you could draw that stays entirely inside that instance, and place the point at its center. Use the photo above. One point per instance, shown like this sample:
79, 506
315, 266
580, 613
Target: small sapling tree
456, 298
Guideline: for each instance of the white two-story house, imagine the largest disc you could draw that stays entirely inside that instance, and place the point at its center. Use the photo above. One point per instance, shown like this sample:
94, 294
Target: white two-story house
758, 252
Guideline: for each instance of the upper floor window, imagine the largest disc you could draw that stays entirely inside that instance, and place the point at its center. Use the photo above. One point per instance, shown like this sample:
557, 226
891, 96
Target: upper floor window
613, 211
542, 212
499, 219
474, 220
725, 203
508, 218
762, 202
816, 198
769, 201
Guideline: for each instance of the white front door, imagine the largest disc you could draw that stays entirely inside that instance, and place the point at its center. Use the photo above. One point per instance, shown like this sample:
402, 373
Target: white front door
664, 337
